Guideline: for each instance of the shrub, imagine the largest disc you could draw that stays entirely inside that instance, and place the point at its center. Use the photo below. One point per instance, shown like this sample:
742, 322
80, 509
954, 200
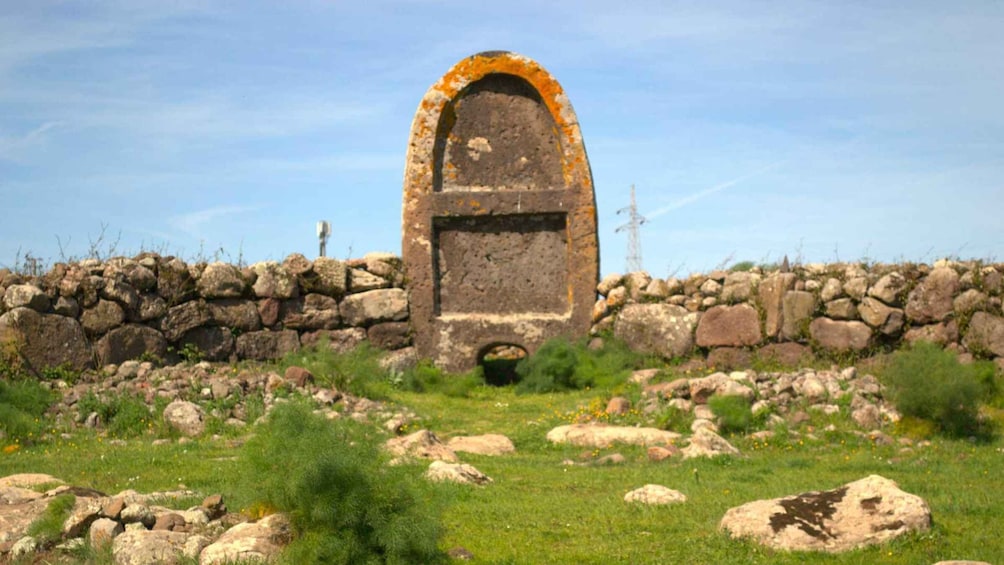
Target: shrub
927, 382
675, 420
733, 413
123, 416
47, 529
345, 504
563, 365
22, 407
357, 371
426, 377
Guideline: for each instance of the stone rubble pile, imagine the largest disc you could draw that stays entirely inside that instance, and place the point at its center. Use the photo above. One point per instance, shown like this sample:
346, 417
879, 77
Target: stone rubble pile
138, 527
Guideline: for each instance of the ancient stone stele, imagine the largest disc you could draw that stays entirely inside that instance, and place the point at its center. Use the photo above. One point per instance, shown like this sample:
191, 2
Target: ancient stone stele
499, 217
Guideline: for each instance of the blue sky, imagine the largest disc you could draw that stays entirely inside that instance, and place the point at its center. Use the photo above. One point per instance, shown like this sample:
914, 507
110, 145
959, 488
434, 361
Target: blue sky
842, 130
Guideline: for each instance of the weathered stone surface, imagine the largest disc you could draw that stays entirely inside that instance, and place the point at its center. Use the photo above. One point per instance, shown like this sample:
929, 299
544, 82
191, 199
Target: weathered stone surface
421, 444
296, 264
383, 305
259, 541
729, 358
771, 293
798, 307
985, 334
154, 547
312, 312
602, 435
832, 290
186, 417
969, 301
889, 289
886, 319
221, 280
66, 307
660, 329
361, 280
236, 314
46, 340
941, 334
841, 309
130, 341
729, 326
657, 495
104, 316
487, 444
273, 281
151, 306
329, 277
341, 341
609, 283
103, 531
174, 283
739, 286
122, 293
840, 336
497, 173
931, 300
788, 354
25, 296
185, 317
389, 335
264, 345
706, 443
212, 343
460, 473
866, 512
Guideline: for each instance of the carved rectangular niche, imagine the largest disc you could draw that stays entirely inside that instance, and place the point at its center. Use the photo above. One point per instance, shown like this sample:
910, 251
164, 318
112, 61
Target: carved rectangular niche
512, 264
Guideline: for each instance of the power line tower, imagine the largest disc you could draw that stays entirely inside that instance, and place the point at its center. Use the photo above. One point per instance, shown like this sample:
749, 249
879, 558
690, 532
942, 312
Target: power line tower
635, 220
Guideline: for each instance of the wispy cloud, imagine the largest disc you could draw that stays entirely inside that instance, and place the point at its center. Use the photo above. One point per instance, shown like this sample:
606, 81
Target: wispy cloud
193, 223
10, 145
693, 197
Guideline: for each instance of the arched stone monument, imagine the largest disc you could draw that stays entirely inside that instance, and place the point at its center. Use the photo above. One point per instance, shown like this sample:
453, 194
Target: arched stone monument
499, 218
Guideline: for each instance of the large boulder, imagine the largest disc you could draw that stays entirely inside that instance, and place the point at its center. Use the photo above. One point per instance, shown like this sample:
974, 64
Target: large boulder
212, 343
46, 340
487, 444
382, 305
460, 473
739, 286
771, 294
602, 435
130, 341
25, 296
186, 417
185, 317
250, 542
221, 280
236, 314
312, 312
889, 289
274, 281
729, 326
328, 277
985, 334
143, 547
931, 300
264, 345
661, 329
174, 283
866, 512
422, 444
840, 336
876, 314
101, 318
798, 307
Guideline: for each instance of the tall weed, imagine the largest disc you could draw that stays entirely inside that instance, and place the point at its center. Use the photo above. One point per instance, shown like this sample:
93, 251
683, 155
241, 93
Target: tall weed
927, 382
346, 505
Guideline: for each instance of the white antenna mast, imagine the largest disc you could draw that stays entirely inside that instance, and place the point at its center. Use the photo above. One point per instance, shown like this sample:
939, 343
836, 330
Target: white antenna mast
323, 232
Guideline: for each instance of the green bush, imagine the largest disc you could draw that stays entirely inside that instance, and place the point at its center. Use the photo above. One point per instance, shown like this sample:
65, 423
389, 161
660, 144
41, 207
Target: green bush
345, 504
927, 382
563, 365
22, 408
47, 529
123, 415
675, 420
733, 412
426, 377
357, 371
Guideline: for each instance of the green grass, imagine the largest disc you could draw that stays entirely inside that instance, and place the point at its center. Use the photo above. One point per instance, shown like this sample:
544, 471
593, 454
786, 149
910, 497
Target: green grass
541, 510
47, 529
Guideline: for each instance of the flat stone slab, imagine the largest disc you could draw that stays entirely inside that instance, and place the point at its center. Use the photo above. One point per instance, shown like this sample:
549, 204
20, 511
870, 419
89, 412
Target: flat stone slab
865, 512
602, 435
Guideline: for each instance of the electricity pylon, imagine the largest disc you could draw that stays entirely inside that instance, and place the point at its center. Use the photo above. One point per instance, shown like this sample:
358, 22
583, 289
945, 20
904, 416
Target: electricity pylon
635, 220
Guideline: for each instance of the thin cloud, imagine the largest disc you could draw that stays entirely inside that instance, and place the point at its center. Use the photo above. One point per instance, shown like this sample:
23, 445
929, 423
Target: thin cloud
690, 198
10, 145
192, 223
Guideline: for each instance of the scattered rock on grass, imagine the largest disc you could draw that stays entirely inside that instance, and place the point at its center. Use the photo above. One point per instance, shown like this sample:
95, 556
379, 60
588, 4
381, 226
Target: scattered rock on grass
602, 435
655, 495
459, 473
487, 444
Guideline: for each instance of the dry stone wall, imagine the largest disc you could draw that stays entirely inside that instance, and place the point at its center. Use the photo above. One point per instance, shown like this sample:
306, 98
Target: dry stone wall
94, 312
835, 309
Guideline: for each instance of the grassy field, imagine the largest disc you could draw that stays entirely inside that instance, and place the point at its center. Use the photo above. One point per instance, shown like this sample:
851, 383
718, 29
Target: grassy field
541, 509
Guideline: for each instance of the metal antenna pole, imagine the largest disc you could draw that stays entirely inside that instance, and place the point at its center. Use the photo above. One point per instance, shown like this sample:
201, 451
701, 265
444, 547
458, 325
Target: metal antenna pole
635, 220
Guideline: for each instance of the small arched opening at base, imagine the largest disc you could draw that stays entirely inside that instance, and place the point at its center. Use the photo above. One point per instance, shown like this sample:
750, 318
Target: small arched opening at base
498, 361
